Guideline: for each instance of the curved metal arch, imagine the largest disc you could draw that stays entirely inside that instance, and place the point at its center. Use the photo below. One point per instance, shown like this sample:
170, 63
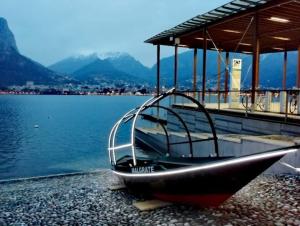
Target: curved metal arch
183, 123
142, 108
127, 117
149, 103
111, 139
166, 132
201, 108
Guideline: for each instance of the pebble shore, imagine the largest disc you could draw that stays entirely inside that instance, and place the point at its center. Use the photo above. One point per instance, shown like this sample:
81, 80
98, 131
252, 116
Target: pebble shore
86, 199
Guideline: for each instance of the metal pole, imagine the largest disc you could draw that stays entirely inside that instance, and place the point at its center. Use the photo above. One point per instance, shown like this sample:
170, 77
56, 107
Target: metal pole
204, 65
195, 72
158, 71
247, 101
226, 76
175, 66
298, 71
219, 78
255, 64
284, 70
286, 106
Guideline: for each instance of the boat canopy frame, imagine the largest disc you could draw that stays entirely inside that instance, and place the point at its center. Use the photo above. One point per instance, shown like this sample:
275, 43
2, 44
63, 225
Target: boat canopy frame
154, 103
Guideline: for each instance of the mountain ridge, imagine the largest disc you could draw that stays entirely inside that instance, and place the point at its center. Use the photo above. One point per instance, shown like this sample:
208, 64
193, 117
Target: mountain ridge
271, 69
16, 69
270, 77
7, 39
73, 63
123, 63
102, 71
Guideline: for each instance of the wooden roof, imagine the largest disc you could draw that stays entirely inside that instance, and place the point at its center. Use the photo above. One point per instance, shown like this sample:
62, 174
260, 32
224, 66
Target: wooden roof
232, 27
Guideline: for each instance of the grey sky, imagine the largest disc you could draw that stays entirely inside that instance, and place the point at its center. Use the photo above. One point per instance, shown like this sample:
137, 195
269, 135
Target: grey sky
50, 30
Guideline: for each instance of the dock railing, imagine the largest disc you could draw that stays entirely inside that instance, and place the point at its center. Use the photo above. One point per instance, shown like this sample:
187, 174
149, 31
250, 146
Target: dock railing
283, 103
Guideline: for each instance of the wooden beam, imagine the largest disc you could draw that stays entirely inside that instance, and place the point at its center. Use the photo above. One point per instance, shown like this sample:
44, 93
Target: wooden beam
255, 60
241, 14
298, 71
266, 34
256, 66
175, 66
204, 65
158, 71
195, 70
226, 76
219, 71
219, 79
284, 70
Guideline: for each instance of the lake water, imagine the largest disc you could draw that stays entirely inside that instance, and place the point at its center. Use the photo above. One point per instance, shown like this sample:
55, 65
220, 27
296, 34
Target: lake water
72, 132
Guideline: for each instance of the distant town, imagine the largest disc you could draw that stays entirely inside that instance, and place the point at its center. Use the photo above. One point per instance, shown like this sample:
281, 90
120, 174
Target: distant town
77, 89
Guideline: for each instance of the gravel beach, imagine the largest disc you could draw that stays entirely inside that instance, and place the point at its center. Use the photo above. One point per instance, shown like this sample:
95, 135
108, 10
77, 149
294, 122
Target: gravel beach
86, 199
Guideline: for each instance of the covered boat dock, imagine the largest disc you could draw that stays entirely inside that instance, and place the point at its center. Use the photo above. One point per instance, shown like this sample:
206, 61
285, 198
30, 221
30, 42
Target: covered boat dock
252, 27
257, 118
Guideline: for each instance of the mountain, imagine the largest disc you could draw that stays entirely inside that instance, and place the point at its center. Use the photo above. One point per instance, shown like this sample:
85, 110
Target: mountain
16, 69
122, 62
72, 64
100, 71
271, 69
126, 63
7, 39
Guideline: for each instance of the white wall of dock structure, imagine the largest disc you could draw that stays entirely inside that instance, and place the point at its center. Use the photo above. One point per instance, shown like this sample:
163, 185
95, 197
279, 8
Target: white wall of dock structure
237, 136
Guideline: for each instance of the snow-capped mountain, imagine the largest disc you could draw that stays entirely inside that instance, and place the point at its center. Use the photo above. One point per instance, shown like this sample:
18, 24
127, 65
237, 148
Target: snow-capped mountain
127, 63
71, 64
122, 62
111, 55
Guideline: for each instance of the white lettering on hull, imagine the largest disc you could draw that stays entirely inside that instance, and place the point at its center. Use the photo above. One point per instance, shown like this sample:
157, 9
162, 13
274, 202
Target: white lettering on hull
143, 169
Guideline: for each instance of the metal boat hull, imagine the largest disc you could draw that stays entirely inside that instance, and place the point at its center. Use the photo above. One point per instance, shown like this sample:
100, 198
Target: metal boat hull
203, 185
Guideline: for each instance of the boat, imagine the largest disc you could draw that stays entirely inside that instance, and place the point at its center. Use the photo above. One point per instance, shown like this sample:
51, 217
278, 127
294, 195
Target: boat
156, 151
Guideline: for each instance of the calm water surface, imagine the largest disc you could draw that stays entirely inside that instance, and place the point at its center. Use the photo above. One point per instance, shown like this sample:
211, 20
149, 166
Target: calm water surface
72, 134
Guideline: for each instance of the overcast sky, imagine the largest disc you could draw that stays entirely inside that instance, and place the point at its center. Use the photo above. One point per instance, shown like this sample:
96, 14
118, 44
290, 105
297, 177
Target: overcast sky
50, 30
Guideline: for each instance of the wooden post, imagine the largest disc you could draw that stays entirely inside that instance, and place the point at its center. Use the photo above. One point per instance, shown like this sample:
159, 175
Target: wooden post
219, 71
175, 66
158, 71
195, 71
284, 70
226, 76
204, 65
255, 61
298, 71
219, 78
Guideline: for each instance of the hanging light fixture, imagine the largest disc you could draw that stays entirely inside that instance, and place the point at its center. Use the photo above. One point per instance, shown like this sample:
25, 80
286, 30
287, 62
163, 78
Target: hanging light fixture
278, 19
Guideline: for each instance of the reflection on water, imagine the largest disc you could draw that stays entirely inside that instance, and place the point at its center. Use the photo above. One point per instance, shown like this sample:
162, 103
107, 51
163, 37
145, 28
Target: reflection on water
10, 134
71, 135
